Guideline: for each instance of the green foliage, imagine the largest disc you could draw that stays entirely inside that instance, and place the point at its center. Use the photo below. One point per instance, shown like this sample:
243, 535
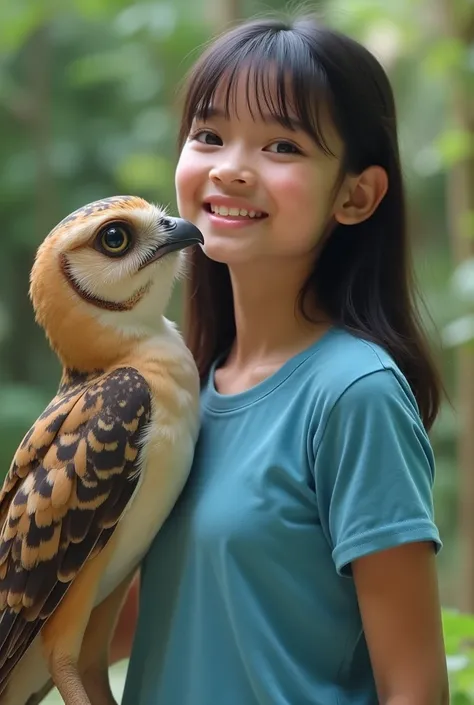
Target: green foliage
459, 641
87, 110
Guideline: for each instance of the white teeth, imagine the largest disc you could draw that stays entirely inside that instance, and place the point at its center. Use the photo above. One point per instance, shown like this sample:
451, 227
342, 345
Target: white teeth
223, 210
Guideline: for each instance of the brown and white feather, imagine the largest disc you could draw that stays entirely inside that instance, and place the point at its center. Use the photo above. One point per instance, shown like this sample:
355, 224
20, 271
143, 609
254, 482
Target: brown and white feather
98, 472
68, 486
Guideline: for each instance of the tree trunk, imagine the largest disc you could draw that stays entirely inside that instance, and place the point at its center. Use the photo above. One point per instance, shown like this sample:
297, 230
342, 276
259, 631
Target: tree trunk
223, 13
460, 198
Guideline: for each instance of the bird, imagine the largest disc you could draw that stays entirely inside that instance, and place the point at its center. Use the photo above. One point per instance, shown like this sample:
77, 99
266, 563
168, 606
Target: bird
99, 471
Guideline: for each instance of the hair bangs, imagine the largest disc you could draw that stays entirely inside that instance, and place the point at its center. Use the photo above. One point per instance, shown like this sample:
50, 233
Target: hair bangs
283, 82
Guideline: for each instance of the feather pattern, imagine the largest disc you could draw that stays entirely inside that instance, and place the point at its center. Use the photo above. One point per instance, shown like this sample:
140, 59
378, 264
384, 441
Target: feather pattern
68, 485
96, 476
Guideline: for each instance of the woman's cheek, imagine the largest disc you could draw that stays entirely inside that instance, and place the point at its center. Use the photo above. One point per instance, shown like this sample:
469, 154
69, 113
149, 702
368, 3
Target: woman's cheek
301, 201
186, 184
293, 186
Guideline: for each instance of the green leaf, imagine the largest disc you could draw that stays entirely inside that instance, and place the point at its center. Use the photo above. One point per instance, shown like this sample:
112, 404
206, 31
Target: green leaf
460, 698
444, 56
129, 61
458, 625
454, 145
19, 21
143, 172
98, 9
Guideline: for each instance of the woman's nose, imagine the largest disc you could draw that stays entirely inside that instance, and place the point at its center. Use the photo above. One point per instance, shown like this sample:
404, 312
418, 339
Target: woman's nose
229, 174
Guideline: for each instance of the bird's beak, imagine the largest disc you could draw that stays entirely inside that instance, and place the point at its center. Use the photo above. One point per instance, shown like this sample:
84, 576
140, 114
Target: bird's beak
179, 235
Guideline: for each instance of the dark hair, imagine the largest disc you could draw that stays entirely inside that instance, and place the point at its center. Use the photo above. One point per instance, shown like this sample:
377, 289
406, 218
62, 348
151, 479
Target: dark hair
362, 277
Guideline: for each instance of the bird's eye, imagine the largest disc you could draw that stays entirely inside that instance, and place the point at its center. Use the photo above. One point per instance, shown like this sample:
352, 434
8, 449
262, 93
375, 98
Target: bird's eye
115, 239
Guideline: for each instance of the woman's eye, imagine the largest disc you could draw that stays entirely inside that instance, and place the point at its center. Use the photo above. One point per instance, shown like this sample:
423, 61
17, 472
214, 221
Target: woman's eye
207, 137
283, 147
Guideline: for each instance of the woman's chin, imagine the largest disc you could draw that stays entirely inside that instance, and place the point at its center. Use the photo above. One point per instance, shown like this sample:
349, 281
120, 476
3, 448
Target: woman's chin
226, 253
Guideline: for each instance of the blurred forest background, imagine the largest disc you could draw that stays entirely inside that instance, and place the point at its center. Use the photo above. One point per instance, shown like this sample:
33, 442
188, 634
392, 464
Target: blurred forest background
89, 108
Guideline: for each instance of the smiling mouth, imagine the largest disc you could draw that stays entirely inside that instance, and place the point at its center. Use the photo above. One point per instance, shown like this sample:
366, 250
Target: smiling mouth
232, 213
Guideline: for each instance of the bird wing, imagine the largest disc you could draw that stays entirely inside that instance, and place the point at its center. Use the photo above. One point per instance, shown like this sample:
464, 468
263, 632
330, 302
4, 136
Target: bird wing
68, 485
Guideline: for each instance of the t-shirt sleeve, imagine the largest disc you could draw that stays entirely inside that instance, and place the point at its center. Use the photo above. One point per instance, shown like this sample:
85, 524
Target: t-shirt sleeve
374, 471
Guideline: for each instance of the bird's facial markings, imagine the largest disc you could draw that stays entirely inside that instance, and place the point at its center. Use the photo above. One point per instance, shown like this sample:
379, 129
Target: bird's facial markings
115, 237
95, 207
126, 305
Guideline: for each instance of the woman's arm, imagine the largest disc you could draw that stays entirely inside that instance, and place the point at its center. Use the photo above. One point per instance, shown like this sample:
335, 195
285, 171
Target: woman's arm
398, 596
122, 640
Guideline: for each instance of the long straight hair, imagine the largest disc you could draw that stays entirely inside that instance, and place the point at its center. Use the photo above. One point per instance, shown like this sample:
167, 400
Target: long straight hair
363, 275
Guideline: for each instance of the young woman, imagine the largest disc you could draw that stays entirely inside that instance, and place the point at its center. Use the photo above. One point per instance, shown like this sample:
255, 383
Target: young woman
299, 564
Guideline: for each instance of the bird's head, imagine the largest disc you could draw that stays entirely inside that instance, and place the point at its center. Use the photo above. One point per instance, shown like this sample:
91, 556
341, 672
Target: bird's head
106, 273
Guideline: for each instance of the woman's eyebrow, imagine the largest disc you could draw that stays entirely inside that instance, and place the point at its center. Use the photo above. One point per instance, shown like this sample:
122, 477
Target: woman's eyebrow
290, 122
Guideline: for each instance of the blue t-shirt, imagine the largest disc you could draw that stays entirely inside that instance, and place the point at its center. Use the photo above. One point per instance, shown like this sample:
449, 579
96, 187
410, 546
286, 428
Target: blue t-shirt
247, 596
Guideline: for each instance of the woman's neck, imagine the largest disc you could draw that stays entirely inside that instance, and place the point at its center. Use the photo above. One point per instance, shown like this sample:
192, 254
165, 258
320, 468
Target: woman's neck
270, 326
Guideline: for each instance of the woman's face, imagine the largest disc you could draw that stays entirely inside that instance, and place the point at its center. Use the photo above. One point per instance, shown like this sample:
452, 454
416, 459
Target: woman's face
254, 188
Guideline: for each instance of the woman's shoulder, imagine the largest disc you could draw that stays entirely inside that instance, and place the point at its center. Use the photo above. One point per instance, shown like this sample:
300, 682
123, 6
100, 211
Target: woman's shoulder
352, 381
347, 361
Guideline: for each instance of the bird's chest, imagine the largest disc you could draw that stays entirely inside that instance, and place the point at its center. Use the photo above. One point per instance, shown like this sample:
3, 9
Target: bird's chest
167, 459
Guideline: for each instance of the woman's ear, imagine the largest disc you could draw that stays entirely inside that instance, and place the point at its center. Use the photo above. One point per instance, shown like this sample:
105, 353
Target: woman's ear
360, 196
